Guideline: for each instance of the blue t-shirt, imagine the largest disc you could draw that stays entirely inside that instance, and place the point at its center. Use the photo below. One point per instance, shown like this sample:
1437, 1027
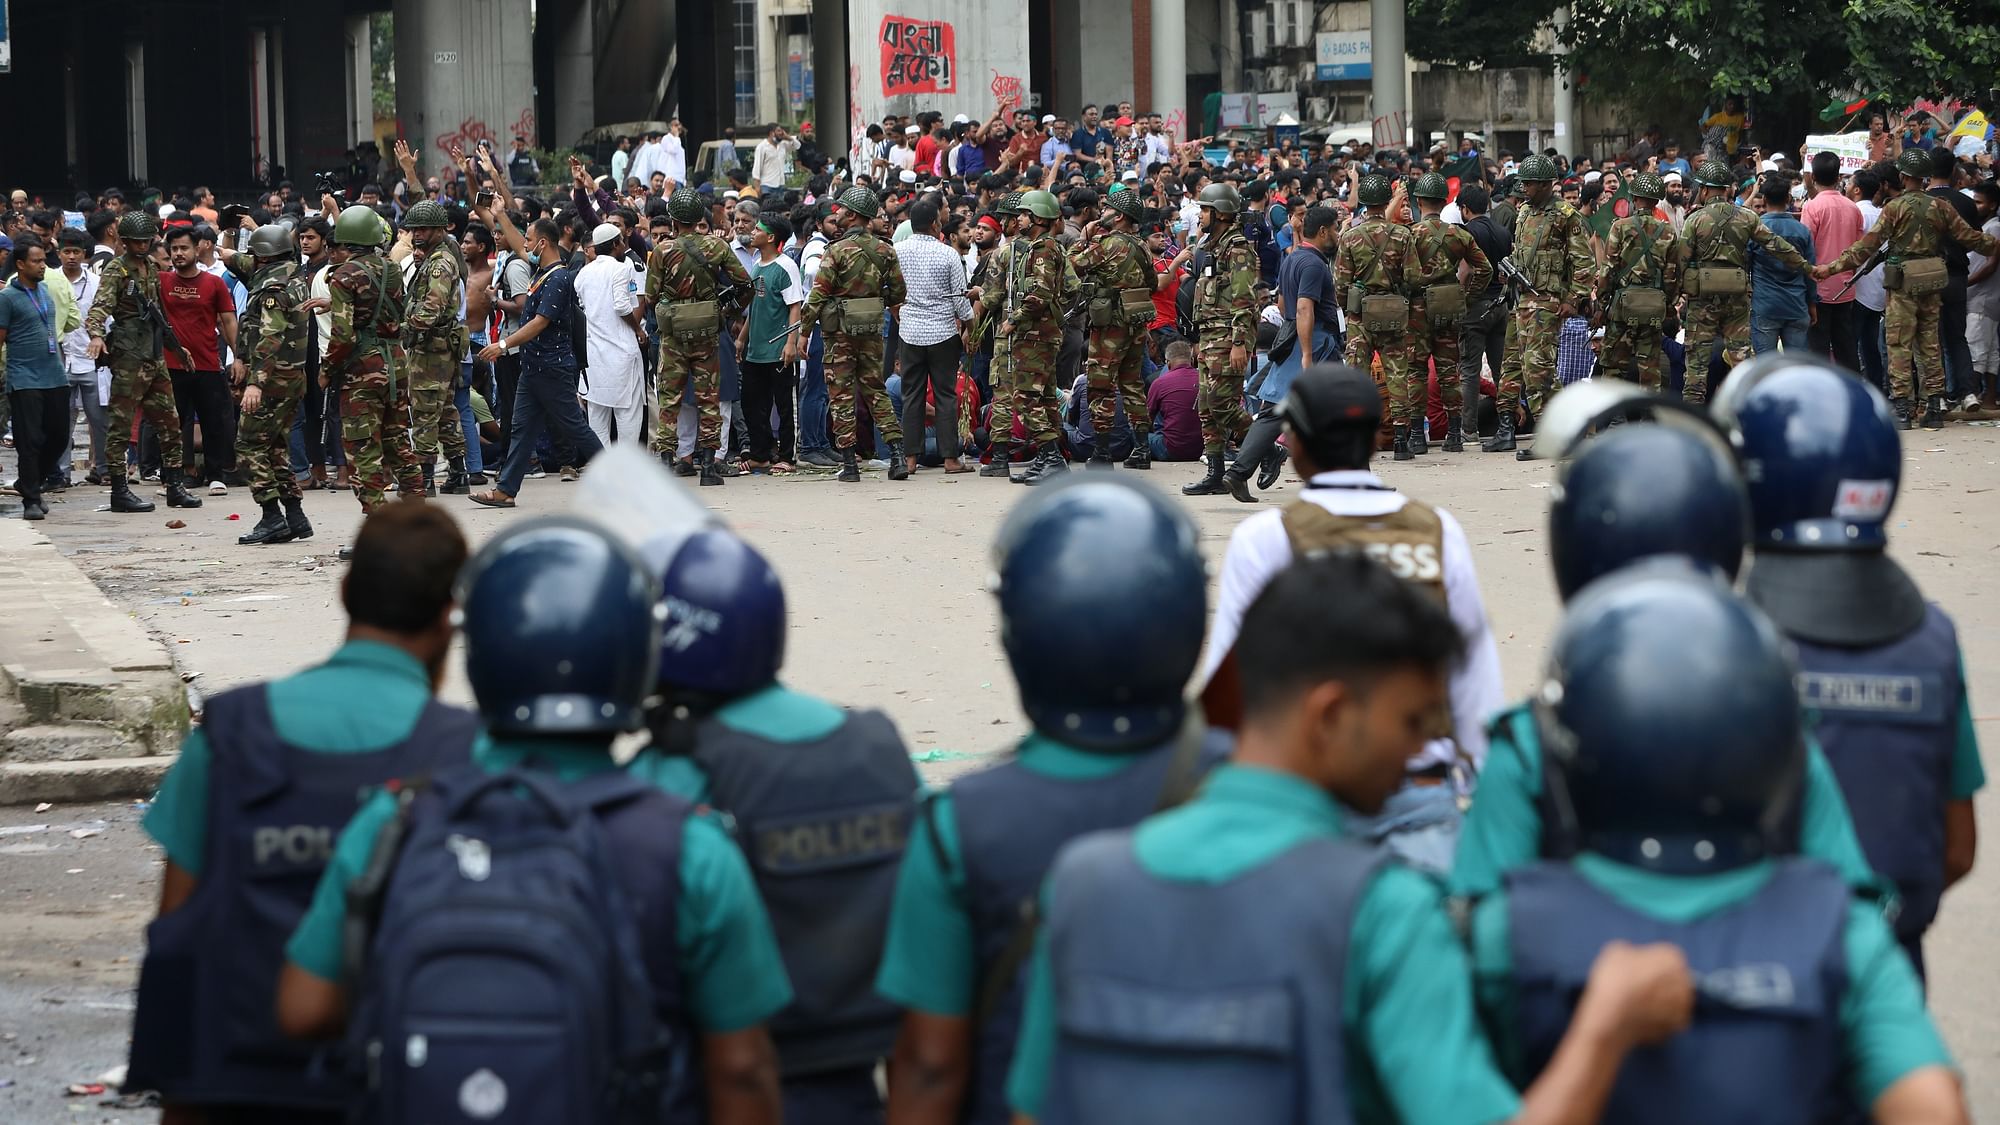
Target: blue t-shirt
34, 360
1305, 273
1779, 293
1084, 142
551, 296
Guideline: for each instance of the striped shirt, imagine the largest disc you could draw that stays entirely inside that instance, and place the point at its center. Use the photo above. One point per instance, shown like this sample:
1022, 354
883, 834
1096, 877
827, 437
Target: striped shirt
934, 284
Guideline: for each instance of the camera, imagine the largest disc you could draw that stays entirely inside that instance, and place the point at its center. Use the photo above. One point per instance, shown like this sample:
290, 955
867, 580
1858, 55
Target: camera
327, 183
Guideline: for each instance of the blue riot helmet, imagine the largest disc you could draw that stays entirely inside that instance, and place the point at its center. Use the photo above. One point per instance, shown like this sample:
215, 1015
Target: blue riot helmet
1670, 723
1103, 599
1642, 476
725, 630
1823, 459
562, 629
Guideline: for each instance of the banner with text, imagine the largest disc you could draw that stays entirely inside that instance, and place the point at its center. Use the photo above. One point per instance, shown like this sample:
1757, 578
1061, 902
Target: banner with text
1344, 56
1852, 148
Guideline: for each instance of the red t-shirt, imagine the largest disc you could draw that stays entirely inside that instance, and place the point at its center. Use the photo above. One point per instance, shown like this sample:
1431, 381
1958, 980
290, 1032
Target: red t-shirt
193, 305
1166, 312
927, 151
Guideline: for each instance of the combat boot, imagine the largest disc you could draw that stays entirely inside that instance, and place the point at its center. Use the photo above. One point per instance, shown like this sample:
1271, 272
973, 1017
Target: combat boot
898, 470
1402, 444
272, 529
1502, 440
123, 499
1210, 485
456, 482
1454, 436
1905, 412
1420, 438
850, 471
711, 473
430, 479
1034, 468
1000, 464
1934, 413
1052, 465
1237, 480
178, 495
1142, 453
295, 516
1100, 457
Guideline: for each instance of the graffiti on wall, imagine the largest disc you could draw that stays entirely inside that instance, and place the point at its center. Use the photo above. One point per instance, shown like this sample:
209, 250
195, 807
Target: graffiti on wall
918, 57
472, 130
1006, 91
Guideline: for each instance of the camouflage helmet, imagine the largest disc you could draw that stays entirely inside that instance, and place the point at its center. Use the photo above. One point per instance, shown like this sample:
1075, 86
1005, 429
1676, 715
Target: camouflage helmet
1041, 205
1714, 173
1432, 185
1126, 203
138, 224
684, 206
1646, 185
1375, 191
1222, 197
1010, 204
271, 241
1536, 168
358, 226
861, 201
426, 214
1914, 162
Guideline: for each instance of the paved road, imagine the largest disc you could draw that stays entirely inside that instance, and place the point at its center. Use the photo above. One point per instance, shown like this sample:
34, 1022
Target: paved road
889, 609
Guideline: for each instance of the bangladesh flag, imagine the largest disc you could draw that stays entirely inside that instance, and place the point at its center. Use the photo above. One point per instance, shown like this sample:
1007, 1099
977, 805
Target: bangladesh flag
1610, 210
1846, 107
1461, 170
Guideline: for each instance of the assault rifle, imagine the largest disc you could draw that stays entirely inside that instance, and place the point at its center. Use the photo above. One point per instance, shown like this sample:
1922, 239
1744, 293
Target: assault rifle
163, 333
1875, 259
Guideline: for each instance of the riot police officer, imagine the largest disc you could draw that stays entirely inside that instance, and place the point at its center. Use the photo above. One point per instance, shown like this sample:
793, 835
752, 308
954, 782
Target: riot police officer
1113, 740
1880, 667
1681, 750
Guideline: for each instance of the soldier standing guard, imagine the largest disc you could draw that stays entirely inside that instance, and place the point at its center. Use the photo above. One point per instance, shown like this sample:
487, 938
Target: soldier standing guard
1370, 267
685, 279
1553, 253
991, 281
1641, 282
128, 297
435, 337
1225, 321
366, 306
1039, 278
1717, 278
1437, 304
858, 280
274, 336
1121, 307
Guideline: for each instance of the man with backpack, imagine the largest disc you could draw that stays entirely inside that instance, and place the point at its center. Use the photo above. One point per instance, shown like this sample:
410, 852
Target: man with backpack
1113, 741
248, 814
544, 933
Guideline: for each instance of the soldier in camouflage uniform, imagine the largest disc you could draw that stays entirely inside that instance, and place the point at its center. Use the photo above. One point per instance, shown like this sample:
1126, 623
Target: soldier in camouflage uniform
1116, 264
366, 308
991, 281
128, 287
1552, 249
1913, 226
1225, 323
274, 339
1433, 277
1025, 310
1718, 237
859, 279
1641, 282
688, 280
1373, 260
434, 336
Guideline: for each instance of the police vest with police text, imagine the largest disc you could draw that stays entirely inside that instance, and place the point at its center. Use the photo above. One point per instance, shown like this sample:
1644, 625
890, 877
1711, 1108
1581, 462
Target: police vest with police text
823, 823
1237, 1018
206, 1032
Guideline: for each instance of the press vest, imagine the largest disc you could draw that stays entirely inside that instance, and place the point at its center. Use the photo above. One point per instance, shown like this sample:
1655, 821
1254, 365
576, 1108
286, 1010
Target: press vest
206, 1032
1766, 1045
1888, 725
1237, 1018
823, 824
1408, 542
1005, 854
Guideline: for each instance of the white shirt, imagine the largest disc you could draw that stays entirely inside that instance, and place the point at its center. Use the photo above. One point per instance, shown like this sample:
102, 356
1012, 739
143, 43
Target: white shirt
673, 159
606, 288
76, 345
1259, 549
324, 317
621, 163
768, 163
903, 157
645, 161
1155, 148
809, 257
1868, 289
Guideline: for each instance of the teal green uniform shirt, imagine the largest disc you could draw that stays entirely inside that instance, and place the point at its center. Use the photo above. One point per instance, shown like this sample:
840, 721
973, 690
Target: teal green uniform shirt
1968, 775
315, 710
774, 713
1885, 1031
728, 955
930, 962
1415, 1052
1503, 828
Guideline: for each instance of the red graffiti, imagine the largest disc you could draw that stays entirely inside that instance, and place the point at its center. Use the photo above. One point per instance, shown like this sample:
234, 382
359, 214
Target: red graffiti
918, 57
472, 130
1173, 123
524, 127
1007, 90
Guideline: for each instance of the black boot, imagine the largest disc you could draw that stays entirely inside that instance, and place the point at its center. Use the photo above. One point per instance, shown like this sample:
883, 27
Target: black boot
1210, 485
1420, 437
430, 479
1237, 480
898, 468
273, 528
1100, 457
1052, 465
1000, 463
1905, 412
1454, 437
295, 516
1035, 467
178, 495
1272, 467
1502, 440
1142, 452
1402, 444
850, 472
1934, 413
123, 499
711, 474
455, 480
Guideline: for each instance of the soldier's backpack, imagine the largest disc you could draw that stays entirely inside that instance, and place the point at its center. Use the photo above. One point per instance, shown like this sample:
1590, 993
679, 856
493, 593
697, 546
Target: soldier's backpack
520, 960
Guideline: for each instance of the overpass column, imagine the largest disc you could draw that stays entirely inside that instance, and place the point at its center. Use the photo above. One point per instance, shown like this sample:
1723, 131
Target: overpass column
1169, 93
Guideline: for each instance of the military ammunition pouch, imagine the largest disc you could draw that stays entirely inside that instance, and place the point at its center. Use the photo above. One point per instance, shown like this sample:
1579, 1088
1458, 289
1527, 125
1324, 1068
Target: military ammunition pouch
1717, 279
1379, 312
1444, 303
1138, 305
1915, 277
132, 332
858, 316
1104, 310
1639, 304
689, 319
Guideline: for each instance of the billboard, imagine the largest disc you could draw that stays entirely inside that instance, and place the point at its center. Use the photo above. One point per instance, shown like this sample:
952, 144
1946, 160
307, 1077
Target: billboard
1343, 56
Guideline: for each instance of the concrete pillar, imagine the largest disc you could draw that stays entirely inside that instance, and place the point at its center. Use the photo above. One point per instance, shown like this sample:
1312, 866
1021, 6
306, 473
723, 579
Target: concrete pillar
1389, 81
771, 85
360, 79
829, 51
1566, 139
465, 72
1169, 93
575, 74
